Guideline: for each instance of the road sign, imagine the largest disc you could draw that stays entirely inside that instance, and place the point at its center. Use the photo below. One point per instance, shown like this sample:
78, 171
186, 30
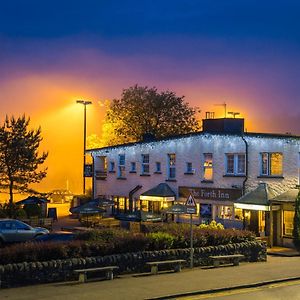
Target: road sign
191, 207
190, 201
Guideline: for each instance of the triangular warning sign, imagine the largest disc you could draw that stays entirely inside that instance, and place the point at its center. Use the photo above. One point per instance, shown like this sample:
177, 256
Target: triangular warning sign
190, 201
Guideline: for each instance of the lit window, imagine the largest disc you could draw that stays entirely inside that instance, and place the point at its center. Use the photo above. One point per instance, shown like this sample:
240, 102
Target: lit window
145, 164
158, 167
208, 166
171, 166
288, 222
235, 164
133, 167
271, 164
121, 167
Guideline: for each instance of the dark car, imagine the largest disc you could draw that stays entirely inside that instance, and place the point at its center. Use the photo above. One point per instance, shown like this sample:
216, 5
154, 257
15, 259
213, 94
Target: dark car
12, 231
56, 237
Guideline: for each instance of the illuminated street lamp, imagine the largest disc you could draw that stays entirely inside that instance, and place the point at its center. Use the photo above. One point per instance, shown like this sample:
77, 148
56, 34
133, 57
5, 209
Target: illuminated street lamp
84, 103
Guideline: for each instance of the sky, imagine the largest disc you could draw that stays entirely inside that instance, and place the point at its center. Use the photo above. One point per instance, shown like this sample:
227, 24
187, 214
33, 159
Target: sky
244, 53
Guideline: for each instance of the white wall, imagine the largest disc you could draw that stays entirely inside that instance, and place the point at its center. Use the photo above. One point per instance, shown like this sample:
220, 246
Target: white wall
191, 149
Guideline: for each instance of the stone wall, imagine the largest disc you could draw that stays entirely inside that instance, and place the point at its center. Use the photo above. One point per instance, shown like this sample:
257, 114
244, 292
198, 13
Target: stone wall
28, 273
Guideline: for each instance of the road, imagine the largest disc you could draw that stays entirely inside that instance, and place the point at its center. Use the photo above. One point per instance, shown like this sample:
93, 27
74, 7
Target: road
281, 291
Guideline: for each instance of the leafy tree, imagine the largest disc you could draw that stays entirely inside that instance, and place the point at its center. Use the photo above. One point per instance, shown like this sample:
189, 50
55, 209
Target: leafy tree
143, 110
296, 230
19, 158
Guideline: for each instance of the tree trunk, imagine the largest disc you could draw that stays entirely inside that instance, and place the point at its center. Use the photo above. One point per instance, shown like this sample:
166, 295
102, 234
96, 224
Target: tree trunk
11, 200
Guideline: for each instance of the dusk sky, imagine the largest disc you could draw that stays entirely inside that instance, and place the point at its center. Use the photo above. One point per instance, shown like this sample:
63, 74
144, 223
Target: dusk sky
244, 53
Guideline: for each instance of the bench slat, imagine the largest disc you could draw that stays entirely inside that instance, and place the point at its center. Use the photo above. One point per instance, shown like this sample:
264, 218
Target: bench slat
227, 256
162, 262
97, 269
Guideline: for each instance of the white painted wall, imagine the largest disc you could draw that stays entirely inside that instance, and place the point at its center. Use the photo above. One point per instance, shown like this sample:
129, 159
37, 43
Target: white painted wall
191, 149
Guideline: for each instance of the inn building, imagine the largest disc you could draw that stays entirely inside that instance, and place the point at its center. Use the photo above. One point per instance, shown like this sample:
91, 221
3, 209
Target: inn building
241, 179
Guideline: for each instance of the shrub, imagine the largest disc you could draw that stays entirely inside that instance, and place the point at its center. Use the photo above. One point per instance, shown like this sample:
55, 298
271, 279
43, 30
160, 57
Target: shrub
213, 225
32, 210
160, 240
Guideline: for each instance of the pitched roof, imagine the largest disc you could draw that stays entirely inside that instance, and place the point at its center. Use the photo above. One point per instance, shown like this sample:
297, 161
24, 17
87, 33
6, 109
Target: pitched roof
288, 196
161, 190
259, 196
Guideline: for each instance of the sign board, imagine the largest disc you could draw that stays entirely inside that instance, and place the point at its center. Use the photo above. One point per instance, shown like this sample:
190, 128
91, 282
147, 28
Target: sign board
88, 170
191, 207
217, 194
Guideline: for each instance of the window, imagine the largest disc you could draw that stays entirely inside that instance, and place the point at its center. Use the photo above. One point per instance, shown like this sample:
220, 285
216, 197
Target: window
288, 219
133, 167
145, 164
189, 168
158, 167
111, 166
271, 164
121, 167
171, 166
235, 164
208, 167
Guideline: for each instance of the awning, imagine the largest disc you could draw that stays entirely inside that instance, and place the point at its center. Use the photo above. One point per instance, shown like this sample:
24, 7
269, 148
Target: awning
161, 192
258, 199
287, 197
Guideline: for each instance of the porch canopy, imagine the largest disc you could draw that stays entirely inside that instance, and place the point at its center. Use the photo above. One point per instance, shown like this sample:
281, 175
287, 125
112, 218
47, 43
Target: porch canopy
258, 199
286, 197
161, 192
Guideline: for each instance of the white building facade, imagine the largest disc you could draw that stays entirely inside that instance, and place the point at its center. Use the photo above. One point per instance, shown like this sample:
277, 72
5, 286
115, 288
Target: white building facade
216, 166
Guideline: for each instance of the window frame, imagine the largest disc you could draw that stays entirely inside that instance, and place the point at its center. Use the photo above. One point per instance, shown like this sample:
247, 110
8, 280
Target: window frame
210, 165
171, 166
145, 165
235, 164
266, 164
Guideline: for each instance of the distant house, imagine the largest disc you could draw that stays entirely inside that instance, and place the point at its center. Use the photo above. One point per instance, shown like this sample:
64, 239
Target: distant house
219, 166
61, 196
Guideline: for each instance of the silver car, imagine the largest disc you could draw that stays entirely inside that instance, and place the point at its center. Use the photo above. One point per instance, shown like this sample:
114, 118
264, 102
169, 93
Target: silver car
16, 231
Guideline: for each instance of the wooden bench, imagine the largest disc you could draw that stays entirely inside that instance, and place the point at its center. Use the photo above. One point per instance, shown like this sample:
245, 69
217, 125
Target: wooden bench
234, 258
108, 272
176, 264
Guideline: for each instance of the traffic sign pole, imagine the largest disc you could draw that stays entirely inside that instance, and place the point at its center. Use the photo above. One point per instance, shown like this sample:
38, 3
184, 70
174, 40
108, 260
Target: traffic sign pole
192, 246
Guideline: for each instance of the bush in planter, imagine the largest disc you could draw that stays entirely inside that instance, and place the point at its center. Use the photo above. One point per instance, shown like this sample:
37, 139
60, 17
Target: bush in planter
160, 240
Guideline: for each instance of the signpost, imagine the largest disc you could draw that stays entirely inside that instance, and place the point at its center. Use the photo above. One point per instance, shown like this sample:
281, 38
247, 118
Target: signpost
191, 208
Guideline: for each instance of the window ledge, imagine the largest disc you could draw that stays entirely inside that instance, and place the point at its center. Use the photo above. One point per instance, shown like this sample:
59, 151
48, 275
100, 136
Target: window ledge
270, 176
111, 171
233, 175
207, 181
145, 175
171, 180
189, 173
157, 172
121, 178
132, 172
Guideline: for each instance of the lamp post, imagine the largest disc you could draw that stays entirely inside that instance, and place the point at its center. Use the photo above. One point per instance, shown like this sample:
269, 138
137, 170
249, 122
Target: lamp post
84, 103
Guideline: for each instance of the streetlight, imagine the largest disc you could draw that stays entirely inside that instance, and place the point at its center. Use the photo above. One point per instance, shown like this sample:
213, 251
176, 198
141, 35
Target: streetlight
84, 103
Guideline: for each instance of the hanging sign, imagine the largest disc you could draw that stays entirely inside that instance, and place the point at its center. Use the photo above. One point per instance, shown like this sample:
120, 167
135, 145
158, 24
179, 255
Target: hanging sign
191, 207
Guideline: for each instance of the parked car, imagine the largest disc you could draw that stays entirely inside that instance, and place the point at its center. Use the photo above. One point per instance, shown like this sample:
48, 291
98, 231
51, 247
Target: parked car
56, 237
12, 231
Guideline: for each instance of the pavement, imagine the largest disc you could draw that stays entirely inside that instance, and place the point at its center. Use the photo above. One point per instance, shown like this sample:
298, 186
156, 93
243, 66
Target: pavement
166, 285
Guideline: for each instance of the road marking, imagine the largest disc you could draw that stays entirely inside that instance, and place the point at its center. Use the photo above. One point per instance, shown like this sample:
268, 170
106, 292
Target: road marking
239, 291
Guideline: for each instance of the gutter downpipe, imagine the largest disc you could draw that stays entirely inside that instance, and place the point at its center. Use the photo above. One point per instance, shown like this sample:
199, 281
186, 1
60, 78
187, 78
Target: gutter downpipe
246, 178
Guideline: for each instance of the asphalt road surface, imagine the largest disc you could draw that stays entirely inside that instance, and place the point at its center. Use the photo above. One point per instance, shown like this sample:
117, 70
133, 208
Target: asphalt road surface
281, 291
